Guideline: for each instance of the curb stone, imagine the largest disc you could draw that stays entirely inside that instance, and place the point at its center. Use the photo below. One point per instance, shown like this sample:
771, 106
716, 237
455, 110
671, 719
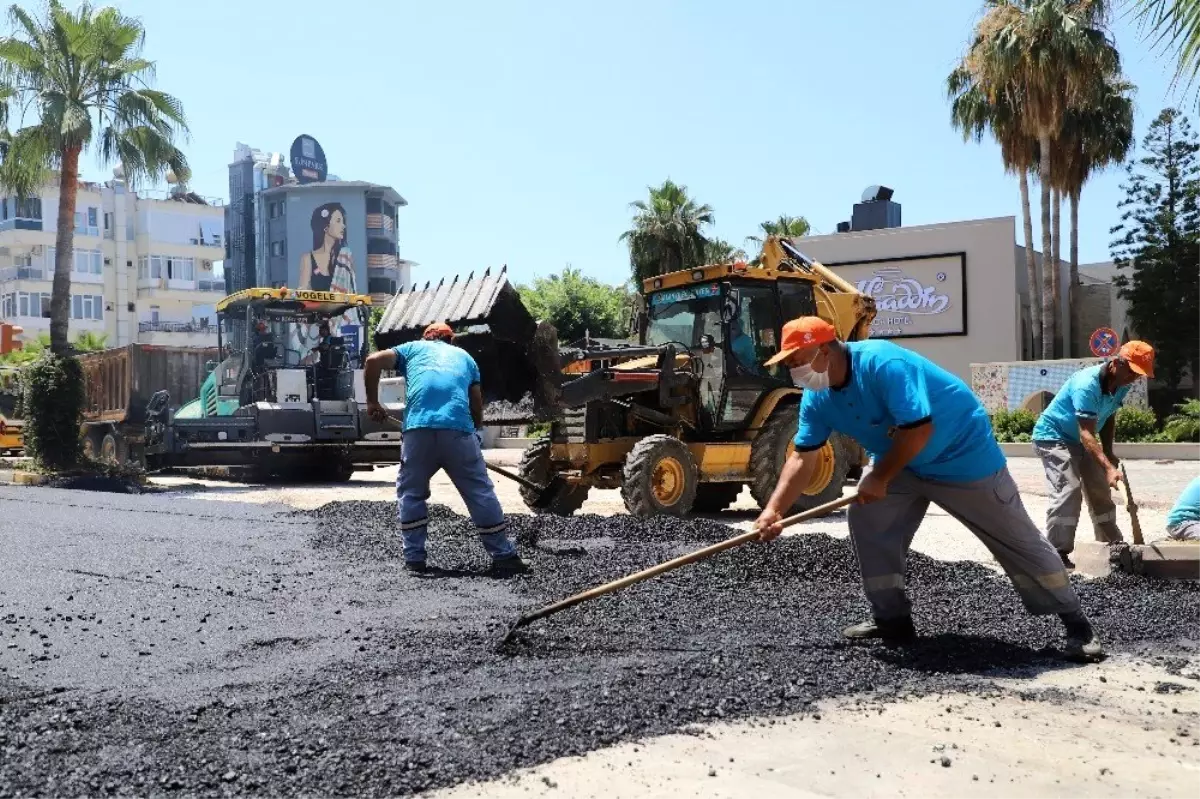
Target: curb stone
17, 477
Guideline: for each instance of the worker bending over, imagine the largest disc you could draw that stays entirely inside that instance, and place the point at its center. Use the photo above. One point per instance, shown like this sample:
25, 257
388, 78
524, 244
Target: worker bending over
1074, 439
1183, 522
443, 412
930, 440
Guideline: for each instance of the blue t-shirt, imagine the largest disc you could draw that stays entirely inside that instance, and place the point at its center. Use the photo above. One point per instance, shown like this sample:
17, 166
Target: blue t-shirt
1187, 507
437, 379
889, 388
1081, 397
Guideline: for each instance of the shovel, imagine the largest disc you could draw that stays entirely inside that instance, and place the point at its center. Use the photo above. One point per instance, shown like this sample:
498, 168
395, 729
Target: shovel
544, 496
1131, 506
667, 566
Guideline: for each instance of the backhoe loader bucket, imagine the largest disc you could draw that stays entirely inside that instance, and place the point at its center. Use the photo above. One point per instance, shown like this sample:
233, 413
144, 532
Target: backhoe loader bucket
517, 355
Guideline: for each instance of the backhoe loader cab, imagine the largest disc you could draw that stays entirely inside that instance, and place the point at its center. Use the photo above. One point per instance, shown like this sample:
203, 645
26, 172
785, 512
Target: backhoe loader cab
686, 415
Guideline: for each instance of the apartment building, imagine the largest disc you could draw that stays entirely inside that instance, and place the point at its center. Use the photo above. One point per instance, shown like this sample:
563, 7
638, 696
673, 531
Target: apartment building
275, 216
147, 268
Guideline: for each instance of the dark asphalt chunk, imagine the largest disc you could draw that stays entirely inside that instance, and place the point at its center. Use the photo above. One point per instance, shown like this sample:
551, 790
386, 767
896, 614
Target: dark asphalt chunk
429, 700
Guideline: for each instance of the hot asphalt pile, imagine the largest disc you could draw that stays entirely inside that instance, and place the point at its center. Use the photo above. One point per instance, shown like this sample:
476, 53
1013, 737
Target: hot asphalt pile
502, 411
753, 632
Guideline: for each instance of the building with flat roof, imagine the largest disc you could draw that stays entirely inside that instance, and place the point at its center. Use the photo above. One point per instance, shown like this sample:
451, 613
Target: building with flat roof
147, 267
280, 230
957, 292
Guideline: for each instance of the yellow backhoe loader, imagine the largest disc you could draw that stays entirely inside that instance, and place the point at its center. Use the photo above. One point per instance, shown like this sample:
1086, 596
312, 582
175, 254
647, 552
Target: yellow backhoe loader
680, 418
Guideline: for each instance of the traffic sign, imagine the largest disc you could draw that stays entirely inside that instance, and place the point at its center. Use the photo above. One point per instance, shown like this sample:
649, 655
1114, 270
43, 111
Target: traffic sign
1104, 342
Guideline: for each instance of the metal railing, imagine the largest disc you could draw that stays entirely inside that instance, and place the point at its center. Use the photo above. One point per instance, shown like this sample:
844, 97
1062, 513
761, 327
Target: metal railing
177, 327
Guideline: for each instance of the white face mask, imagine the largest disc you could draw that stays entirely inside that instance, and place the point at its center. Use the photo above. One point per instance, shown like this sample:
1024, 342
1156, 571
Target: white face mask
805, 376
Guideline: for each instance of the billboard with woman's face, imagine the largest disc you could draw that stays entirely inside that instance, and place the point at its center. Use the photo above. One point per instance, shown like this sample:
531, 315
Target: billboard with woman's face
326, 232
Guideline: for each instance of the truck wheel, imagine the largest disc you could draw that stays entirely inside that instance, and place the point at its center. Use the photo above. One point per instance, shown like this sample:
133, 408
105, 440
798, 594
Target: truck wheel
537, 468
660, 478
716, 497
773, 446
112, 449
91, 445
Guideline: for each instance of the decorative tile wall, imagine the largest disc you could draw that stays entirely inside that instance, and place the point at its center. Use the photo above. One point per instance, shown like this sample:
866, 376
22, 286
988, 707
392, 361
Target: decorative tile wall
1007, 385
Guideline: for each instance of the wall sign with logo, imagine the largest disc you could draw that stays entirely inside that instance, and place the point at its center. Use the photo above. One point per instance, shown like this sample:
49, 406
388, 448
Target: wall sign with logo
915, 297
308, 160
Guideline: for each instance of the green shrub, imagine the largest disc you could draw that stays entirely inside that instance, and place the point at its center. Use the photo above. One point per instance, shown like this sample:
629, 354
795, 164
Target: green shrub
1135, 424
1184, 425
53, 405
1010, 426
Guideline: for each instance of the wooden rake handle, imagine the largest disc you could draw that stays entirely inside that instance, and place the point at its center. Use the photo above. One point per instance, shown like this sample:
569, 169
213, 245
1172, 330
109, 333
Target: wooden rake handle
1131, 506
682, 560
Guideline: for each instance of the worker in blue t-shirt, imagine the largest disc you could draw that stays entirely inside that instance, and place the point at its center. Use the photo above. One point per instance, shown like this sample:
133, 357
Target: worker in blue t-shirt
930, 440
443, 412
1183, 522
1074, 439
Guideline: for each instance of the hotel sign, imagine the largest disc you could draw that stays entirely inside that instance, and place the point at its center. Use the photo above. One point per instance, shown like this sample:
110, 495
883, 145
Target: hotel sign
914, 297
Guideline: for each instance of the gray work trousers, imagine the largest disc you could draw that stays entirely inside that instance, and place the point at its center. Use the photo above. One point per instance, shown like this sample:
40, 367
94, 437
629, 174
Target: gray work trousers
1073, 477
991, 508
1184, 531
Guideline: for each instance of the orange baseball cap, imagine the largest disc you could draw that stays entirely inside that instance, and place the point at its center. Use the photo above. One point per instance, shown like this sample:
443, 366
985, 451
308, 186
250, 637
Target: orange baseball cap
807, 331
1139, 355
438, 330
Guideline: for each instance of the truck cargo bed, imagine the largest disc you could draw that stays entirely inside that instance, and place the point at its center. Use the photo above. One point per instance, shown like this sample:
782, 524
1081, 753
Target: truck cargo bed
119, 382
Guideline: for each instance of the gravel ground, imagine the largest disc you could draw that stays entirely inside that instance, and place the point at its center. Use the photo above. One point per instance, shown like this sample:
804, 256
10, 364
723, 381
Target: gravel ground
156, 645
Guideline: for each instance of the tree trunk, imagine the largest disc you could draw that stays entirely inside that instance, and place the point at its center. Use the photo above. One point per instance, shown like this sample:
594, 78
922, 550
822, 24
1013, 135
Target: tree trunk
1073, 286
1049, 268
1031, 273
1064, 330
64, 254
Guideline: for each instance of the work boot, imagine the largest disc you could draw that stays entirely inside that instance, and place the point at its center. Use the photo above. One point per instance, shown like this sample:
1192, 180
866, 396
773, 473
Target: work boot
891, 631
1066, 560
508, 567
415, 566
1082, 645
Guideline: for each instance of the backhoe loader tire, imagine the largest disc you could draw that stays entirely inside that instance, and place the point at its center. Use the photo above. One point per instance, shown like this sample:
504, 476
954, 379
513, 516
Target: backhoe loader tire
660, 478
770, 450
716, 497
536, 468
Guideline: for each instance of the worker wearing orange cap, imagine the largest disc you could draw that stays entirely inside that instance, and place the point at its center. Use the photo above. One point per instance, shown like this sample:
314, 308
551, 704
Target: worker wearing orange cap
930, 441
1074, 439
442, 415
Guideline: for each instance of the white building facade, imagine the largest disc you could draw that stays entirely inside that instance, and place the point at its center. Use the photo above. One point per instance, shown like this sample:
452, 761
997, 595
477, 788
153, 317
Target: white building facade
146, 270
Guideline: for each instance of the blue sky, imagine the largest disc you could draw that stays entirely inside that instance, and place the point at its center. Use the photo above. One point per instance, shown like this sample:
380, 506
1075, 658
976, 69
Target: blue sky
520, 131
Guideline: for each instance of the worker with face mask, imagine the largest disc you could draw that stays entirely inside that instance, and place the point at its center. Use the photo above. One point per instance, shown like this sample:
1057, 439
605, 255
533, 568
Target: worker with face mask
1074, 438
930, 441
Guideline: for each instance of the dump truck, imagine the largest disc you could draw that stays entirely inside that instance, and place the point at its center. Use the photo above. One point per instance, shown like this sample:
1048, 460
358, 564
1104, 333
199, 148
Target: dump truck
276, 395
681, 417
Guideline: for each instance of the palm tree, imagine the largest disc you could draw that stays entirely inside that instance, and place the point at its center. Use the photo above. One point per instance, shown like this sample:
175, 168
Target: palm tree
719, 251
666, 235
786, 226
82, 71
1094, 136
1176, 25
972, 113
1045, 52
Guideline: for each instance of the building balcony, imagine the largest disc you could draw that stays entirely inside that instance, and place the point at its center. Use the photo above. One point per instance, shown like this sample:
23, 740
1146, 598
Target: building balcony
380, 224
152, 286
25, 273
